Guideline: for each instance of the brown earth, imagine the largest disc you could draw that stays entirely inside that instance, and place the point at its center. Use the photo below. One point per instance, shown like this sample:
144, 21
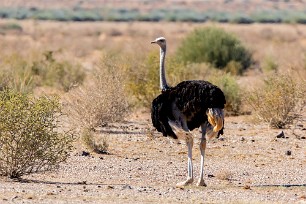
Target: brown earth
248, 164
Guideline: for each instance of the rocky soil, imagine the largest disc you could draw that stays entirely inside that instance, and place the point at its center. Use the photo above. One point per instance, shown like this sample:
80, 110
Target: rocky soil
249, 164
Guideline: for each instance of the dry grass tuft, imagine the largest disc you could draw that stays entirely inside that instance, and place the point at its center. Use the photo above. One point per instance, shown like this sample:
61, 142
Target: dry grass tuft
224, 175
98, 146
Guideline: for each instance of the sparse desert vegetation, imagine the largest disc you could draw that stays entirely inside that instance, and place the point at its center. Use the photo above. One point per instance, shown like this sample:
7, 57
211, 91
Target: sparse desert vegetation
30, 135
105, 75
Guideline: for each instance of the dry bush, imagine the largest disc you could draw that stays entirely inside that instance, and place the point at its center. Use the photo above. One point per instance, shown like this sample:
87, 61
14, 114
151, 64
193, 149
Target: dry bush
101, 100
99, 146
30, 139
224, 175
279, 100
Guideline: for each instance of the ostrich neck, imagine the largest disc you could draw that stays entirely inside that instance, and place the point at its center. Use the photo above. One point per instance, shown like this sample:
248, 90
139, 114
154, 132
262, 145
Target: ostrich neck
163, 81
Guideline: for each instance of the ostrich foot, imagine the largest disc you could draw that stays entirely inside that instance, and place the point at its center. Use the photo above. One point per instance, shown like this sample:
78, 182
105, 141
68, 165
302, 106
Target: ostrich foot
201, 183
185, 183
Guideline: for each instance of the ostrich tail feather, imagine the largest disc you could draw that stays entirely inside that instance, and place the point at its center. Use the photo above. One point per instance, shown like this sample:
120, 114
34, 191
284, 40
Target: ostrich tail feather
215, 118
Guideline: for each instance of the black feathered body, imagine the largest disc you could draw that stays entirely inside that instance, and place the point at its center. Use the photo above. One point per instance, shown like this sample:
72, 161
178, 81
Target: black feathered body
192, 99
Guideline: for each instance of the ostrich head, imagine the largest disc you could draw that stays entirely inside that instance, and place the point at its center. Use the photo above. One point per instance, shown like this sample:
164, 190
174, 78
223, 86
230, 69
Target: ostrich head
161, 41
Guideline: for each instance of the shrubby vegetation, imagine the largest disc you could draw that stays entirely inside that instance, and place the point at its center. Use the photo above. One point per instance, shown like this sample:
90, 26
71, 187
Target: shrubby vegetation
278, 101
101, 100
217, 47
10, 27
24, 75
30, 139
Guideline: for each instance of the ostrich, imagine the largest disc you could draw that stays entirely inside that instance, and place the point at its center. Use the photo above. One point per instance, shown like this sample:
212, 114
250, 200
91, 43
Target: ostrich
188, 105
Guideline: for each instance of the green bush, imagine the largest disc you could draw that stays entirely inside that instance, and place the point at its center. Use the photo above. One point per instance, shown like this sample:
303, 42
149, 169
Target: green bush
30, 140
215, 46
228, 84
278, 101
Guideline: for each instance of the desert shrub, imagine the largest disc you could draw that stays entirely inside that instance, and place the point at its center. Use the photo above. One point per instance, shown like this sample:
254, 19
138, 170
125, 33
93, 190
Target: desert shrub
24, 75
30, 139
232, 92
93, 144
268, 16
99, 101
143, 78
16, 73
269, 65
241, 19
60, 74
215, 46
5, 27
278, 100
234, 68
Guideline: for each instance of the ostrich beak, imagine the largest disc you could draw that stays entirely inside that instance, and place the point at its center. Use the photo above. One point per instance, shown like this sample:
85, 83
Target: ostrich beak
152, 42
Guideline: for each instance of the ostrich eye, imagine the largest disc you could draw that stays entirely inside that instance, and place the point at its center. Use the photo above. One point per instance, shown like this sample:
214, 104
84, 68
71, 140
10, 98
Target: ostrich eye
162, 40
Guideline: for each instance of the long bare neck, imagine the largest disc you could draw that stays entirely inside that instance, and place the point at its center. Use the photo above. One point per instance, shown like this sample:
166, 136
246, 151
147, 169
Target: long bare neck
163, 82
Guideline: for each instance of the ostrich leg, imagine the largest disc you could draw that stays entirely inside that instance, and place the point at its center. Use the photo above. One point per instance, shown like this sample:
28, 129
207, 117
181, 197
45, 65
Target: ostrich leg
202, 149
189, 179
181, 130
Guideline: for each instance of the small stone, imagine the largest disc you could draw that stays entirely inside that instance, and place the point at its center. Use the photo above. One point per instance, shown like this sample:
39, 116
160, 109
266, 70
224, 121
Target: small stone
85, 154
126, 187
281, 135
288, 152
247, 187
110, 187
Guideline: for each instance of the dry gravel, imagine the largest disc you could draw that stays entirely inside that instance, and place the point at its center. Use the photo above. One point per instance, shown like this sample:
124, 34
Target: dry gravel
249, 164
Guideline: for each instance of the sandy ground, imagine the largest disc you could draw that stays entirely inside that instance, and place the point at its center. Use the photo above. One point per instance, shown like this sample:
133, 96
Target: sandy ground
249, 164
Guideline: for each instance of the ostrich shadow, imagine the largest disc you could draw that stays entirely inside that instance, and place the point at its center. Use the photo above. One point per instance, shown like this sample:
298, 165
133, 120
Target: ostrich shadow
277, 185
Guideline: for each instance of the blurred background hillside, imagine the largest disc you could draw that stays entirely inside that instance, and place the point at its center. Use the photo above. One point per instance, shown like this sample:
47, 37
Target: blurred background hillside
235, 11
